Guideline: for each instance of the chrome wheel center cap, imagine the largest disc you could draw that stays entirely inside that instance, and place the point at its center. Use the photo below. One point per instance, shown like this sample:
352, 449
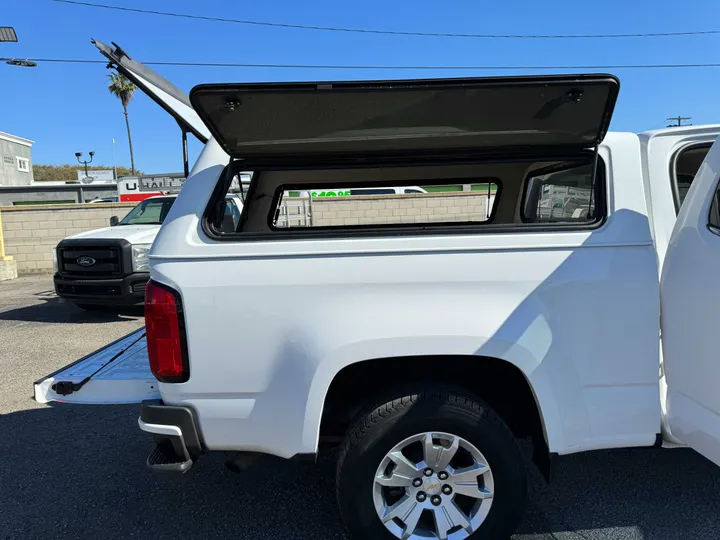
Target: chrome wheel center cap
432, 485
402, 493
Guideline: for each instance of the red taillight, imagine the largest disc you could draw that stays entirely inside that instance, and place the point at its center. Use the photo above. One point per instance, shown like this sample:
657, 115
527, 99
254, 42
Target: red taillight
165, 333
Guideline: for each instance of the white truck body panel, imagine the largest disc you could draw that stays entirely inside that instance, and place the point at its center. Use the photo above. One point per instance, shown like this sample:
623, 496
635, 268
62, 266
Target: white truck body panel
590, 395
659, 148
593, 392
690, 296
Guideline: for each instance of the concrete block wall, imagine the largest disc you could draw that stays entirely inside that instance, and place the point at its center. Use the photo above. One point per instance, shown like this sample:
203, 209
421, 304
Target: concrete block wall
383, 209
31, 232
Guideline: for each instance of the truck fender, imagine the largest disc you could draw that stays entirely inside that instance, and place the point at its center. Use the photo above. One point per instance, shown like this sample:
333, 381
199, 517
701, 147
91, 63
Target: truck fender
529, 364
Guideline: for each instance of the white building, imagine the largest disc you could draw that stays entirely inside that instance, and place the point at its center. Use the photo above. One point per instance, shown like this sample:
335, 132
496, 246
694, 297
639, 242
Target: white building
16, 165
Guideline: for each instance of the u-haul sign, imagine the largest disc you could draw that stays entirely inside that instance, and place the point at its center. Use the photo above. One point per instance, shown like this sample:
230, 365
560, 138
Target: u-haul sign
138, 188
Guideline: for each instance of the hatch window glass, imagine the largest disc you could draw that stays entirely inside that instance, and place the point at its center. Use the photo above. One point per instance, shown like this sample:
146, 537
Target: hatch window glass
560, 194
149, 212
686, 165
383, 206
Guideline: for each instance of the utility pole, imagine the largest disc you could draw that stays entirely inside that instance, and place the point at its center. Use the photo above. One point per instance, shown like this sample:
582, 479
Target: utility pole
679, 121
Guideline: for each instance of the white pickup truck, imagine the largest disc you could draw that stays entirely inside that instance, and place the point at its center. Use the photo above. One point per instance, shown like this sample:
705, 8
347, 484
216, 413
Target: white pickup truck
424, 334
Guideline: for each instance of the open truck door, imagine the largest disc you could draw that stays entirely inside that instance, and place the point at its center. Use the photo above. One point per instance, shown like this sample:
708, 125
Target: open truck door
118, 373
690, 303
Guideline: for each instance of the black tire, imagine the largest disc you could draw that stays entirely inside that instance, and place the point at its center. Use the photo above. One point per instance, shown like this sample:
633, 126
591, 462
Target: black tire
422, 410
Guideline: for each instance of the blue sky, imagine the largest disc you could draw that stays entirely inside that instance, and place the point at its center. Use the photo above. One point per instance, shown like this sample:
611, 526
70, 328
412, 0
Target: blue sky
66, 108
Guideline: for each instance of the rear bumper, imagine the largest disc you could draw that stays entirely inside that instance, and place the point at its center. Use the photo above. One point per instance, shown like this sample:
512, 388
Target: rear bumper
174, 430
125, 291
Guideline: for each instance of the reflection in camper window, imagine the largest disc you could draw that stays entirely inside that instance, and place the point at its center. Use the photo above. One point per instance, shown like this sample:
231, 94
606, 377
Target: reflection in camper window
350, 206
564, 195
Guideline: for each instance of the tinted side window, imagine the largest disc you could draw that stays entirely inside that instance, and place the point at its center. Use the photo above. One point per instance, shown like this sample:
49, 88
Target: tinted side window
686, 166
562, 192
148, 212
392, 206
560, 196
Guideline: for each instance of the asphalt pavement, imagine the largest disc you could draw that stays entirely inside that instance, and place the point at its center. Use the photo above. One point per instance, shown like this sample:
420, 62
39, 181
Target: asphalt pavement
79, 471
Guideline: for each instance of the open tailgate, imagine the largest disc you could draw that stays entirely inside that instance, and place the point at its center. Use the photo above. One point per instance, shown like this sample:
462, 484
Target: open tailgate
117, 373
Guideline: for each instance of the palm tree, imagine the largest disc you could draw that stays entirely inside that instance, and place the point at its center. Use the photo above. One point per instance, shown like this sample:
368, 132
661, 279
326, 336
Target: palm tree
122, 88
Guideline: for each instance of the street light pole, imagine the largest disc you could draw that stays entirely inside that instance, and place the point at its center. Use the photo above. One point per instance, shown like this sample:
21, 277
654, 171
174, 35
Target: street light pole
78, 155
7, 34
114, 167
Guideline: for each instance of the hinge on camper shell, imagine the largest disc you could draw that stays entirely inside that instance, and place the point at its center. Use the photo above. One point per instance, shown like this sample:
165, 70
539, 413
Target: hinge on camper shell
575, 95
231, 104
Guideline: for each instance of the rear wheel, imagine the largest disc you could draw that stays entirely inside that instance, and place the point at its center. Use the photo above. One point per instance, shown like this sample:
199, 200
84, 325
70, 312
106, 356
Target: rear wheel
431, 464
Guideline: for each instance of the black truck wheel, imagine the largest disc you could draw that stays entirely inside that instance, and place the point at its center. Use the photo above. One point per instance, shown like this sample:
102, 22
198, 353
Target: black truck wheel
430, 463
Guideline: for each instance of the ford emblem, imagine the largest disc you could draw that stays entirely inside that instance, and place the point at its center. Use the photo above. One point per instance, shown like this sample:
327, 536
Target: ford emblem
85, 261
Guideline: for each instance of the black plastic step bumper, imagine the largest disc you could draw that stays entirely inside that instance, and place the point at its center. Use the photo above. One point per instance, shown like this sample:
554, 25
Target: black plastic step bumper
174, 430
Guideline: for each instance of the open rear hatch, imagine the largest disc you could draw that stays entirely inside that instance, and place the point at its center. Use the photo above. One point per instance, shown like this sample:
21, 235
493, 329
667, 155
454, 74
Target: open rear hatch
159, 89
117, 373
271, 122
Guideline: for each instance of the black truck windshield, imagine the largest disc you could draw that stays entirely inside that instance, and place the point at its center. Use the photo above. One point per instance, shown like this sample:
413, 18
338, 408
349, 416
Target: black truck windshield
149, 212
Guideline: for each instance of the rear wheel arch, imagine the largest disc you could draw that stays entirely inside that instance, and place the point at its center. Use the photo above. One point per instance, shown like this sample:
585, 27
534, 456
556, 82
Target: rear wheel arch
362, 385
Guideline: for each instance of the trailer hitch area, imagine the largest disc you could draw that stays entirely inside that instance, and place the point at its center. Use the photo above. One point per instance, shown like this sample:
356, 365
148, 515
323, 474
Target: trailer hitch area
241, 461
